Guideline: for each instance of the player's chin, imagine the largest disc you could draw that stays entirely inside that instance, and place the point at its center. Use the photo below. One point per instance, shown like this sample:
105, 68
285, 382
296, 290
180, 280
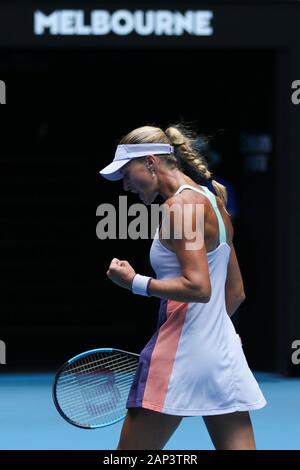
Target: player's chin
147, 199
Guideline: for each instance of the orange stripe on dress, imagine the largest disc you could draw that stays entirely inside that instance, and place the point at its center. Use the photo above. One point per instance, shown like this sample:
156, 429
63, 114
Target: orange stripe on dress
163, 355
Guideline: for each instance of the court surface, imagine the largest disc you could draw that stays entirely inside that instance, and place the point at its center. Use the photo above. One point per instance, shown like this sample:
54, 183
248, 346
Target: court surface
29, 420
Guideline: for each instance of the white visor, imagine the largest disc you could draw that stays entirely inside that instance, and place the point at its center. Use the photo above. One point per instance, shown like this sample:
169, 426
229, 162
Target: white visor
125, 153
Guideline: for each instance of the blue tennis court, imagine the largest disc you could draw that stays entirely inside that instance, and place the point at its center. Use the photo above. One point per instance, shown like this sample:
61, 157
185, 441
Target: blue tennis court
29, 419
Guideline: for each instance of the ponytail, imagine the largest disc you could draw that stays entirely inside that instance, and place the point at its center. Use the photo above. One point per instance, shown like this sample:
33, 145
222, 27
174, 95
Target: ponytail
193, 162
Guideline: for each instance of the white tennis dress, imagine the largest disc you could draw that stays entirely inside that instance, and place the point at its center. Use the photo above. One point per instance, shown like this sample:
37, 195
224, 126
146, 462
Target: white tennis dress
194, 363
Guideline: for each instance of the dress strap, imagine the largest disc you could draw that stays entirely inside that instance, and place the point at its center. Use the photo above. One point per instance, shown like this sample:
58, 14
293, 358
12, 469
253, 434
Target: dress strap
188, 186
212, 198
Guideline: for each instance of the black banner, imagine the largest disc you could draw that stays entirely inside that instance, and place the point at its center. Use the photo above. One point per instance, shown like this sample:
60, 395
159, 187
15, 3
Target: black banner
135, 458
99, 24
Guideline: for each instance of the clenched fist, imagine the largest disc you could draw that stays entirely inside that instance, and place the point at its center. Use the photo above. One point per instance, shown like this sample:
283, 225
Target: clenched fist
121, 273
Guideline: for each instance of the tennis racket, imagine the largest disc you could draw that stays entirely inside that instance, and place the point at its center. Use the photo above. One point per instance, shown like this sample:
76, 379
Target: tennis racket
91, 389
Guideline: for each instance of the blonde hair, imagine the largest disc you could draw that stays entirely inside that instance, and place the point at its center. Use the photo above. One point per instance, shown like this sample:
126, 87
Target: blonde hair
186, 157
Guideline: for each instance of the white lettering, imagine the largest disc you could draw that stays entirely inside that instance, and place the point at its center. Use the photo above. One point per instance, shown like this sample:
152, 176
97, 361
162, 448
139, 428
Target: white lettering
124, 22
144, 27
164, 23
203, 23
183, 23
43, 22
100, 22
80, 27
67, 22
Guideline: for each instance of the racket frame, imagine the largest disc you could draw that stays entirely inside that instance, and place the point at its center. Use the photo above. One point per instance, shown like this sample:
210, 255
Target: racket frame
70, 361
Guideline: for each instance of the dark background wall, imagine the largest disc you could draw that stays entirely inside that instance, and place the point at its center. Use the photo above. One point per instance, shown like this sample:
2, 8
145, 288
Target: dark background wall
68, 109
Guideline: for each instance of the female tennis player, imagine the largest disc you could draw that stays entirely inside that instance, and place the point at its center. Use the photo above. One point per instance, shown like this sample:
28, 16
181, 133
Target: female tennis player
194, 364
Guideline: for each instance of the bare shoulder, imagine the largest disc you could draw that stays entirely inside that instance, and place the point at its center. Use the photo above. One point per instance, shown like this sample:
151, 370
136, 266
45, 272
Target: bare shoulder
174, 210
178, 203
186, 197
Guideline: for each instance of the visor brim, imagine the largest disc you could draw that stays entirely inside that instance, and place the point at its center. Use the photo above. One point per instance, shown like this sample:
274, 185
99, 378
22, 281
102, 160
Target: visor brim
112, 171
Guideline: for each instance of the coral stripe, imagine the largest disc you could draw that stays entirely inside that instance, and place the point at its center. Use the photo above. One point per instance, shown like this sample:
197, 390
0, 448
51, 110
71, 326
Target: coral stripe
163, 355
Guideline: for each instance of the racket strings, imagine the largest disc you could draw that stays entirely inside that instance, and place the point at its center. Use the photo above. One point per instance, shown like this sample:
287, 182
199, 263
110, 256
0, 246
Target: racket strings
69, 378
98, 362
93, 390
108, 359
107, 412
121, 383
85, 410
